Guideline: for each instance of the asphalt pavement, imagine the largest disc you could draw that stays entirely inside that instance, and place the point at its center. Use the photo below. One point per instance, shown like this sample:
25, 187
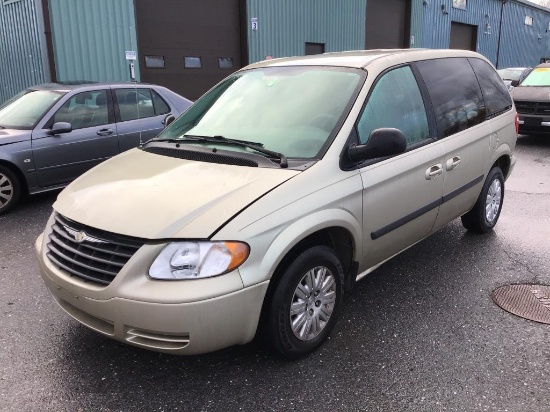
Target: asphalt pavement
421, 333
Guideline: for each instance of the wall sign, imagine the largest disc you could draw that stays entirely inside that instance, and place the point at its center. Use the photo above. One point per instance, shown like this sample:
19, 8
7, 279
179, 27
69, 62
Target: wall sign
130, 55
254, 23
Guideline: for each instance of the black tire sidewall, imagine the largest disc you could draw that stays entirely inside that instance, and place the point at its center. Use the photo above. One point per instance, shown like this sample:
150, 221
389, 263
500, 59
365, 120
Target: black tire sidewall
280, 335
16, 189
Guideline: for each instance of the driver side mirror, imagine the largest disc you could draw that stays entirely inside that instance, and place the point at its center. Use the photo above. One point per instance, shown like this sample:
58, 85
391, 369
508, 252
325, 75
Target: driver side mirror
60, 128
382, 143
168, 119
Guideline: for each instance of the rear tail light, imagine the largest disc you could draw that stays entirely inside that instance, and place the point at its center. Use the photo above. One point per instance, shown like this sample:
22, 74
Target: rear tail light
517, 123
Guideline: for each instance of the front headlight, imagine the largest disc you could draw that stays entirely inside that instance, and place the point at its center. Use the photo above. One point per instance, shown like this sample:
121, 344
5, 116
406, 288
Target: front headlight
195, 260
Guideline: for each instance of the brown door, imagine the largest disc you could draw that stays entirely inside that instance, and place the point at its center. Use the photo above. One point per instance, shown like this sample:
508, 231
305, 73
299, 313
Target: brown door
387, 24
188, 45
463, 36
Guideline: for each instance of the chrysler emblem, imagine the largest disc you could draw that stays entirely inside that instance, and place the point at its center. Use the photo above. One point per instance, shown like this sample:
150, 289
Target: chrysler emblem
81, 236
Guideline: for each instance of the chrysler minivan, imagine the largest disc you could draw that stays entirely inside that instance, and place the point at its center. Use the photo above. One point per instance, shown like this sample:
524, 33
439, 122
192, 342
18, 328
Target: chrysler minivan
257, 210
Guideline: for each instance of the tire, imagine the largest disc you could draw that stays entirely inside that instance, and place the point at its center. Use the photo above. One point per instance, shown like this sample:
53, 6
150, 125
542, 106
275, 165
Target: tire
315, 307
10, 189
484, 215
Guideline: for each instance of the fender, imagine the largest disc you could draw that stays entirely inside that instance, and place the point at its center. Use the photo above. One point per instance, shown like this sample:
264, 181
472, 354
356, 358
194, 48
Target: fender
298, 230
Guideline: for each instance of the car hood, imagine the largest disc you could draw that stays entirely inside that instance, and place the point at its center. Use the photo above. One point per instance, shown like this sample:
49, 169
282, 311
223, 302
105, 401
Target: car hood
151, 196
531, 93
8, 136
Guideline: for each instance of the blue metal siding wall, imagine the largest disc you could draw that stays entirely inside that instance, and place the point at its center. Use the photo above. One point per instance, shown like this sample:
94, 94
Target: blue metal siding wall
284, 26
90, 39
523, 45
437, 24
519, 45
21, 55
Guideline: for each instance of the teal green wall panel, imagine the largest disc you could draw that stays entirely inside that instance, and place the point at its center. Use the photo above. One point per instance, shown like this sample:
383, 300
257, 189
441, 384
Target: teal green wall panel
284, 26
22, 52
417, 21
91, 37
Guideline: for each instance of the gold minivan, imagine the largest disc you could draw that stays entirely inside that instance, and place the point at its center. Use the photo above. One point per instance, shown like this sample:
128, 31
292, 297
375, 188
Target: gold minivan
259, 208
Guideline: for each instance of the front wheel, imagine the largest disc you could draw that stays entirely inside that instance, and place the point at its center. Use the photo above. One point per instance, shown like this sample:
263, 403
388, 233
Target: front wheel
10, 189
484, 215
305, 303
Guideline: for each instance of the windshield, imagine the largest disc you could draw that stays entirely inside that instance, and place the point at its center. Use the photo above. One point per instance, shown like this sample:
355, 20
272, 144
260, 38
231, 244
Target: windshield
27, 108
538, 77
289, 110
510, 74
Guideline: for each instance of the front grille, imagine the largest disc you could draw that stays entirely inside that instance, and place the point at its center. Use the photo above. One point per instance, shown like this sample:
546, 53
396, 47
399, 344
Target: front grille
524, 107
90, 254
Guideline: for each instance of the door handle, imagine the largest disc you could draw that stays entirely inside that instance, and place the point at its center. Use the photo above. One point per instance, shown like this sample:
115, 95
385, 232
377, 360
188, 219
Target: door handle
452, 162
104, 132
433, 171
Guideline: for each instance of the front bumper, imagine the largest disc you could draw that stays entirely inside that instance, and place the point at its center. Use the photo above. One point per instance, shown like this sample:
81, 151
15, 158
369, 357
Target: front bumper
195, 324
531, 124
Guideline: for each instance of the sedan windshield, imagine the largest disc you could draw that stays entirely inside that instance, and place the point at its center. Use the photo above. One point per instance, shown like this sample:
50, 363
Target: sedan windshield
27, 108
288, 110
538, 77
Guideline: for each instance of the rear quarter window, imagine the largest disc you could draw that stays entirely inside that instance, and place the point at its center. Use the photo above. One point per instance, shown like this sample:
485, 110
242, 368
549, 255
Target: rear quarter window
496, 95
455, 94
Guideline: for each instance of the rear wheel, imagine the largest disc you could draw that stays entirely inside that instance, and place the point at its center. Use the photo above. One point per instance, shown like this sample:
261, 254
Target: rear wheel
10, 189
305, 303
484, 215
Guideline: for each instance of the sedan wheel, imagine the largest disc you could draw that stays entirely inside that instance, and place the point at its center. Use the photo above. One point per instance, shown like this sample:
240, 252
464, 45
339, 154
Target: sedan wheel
9, 189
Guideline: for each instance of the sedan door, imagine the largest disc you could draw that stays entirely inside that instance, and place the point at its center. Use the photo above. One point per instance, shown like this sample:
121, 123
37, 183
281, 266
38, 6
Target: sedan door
140, 114
402, 194
60, 158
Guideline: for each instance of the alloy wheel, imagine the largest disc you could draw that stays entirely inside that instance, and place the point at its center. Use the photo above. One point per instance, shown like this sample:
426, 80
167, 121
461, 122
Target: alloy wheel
313, 303
6, 190
492, 203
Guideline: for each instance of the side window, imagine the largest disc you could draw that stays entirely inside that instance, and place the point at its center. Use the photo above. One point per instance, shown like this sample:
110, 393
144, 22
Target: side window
496, 96
455, 94
395, 102
160, 105
134, 104
88, 109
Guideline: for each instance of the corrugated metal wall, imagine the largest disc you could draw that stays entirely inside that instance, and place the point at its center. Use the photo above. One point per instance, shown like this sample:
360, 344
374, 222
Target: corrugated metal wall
284, 26
519, 45
480, 13
22, 58
417, 23
522, 45
91, 37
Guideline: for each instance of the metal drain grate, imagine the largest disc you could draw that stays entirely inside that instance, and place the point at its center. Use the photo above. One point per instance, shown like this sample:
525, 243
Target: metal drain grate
527, 301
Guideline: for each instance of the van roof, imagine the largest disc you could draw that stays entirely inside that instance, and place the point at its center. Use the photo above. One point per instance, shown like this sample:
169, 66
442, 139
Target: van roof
361, 58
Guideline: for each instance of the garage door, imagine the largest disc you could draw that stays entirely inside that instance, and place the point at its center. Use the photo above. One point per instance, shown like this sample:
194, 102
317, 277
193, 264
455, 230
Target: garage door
387, 24
188, 45
463, 36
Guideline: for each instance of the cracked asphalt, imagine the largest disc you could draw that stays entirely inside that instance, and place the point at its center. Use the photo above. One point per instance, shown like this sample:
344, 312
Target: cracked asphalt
419, 334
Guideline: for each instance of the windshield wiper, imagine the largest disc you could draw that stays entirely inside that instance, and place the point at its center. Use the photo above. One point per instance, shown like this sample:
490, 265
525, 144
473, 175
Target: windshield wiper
283, 162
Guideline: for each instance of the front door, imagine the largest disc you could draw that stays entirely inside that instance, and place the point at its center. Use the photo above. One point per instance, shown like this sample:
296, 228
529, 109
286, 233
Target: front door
401, 195
61, 158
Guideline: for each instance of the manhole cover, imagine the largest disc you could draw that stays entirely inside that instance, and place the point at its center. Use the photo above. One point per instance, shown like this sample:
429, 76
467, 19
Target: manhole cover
528, 301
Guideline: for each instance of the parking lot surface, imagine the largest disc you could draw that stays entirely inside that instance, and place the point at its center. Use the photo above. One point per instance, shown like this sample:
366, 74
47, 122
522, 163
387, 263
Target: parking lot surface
421, 333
